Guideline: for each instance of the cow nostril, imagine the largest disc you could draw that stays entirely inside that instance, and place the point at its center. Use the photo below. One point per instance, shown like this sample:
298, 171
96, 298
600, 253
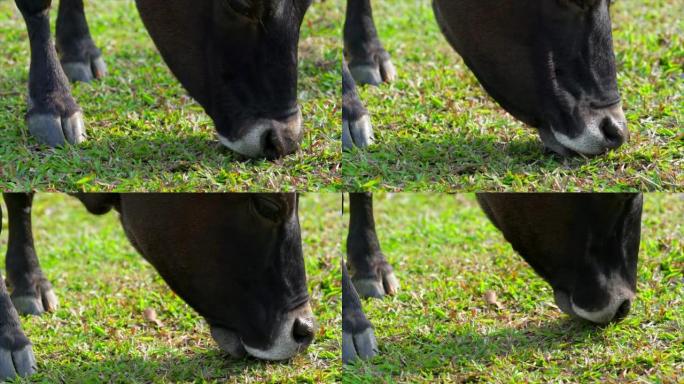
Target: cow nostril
280, 140
303, 330
611, 132
623, 310
272, 145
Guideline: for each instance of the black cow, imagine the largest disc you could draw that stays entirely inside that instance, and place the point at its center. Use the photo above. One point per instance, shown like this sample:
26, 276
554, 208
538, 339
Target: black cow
584, 245
549, 64
237, 58
234, 258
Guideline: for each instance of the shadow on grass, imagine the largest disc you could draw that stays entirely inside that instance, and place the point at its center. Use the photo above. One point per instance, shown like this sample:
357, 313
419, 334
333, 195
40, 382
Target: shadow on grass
125, 154
416, 354
138, 158
206, 365
403, 161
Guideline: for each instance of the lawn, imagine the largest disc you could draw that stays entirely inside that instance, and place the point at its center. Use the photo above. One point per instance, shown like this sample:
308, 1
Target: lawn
437, 130
99, 334
145, 134
439, 328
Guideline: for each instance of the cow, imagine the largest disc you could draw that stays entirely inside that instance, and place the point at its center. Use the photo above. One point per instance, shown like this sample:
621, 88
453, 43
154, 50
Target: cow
584, 245
237, 58
236, 259
550, 64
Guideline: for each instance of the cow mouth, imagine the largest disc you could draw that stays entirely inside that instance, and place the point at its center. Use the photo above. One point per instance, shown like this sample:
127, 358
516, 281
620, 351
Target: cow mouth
551, 143
615, 311
603, 128
270, 138
563, 302
229, 341
293, 335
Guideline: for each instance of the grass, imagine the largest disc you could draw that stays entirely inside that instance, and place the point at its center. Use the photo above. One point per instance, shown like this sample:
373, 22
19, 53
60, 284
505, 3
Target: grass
99, 335
438, 328
145, 134
437, 130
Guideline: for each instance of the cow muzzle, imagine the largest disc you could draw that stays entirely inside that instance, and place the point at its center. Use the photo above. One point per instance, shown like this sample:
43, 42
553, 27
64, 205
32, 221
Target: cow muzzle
603, 129
293, 335
268, 138
618, 306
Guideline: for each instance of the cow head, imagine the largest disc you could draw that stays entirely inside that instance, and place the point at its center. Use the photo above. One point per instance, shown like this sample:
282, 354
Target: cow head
235, 258
238, 59
584, 245
549, 63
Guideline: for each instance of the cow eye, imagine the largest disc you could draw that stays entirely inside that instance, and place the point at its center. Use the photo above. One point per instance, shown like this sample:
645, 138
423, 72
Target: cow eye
243, 7
581, 5
268, 207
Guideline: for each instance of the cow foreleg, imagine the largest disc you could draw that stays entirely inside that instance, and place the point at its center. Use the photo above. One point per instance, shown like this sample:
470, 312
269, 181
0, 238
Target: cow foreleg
372, 274
16, 353
32, 293
356, 125
368, 61
358, 338
80, 57
53, 116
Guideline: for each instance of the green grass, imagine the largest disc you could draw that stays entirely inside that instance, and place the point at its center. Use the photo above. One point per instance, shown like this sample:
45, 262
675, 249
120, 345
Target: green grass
145, 134
99, 335
438, 328
437, 130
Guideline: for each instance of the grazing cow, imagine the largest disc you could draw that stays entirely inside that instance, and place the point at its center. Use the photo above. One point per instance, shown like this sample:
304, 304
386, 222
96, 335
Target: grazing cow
234, 258
237, 58
550, 64
584, 245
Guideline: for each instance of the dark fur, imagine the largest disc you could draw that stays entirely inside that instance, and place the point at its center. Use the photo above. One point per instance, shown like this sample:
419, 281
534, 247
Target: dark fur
48, 86
569, 238
244, 68
361, 43
365, 258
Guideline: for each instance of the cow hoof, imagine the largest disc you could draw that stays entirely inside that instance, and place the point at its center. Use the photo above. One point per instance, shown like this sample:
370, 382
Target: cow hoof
357, 133
31, 305
21, 362
388, 71
387, 284
85, 71
366, 74
55, 131
374, 74
362, 345
229, 342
